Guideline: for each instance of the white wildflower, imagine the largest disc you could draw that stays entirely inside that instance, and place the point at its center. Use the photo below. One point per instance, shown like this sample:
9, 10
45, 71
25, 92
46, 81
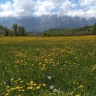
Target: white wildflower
51, 87
49, 77
55, 90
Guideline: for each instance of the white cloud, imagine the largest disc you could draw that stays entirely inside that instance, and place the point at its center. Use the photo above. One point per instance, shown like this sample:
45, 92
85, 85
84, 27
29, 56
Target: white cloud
79, 13
18, 8
87, 2
6, 6
56, 2
66, 7
83, 8
6, 9
44, 7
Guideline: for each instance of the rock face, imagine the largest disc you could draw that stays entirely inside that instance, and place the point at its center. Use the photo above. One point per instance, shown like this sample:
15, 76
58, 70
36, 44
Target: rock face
39, 24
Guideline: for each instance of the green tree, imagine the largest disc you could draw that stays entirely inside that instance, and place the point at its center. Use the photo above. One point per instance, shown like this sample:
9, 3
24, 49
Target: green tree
94, 29
6, 31
21, 31
15, 28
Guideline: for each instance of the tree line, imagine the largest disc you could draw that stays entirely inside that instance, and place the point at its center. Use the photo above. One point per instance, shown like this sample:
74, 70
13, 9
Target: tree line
16, 31
94, 29
85, 30
19, 30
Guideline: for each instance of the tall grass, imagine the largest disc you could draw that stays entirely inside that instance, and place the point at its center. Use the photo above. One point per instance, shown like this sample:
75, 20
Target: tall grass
48, 66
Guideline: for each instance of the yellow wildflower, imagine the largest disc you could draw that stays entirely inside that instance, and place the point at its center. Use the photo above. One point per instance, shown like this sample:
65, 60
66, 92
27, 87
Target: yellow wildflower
43, 85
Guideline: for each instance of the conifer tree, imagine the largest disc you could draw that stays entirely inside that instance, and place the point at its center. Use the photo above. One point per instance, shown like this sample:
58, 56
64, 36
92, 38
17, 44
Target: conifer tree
15, 28
94, 29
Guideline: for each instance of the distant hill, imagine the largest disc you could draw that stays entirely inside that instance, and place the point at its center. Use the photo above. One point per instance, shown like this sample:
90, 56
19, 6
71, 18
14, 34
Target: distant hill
86, 30
42, 23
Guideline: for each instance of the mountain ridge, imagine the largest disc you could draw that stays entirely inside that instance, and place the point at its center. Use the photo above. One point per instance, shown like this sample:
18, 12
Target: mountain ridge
45, 22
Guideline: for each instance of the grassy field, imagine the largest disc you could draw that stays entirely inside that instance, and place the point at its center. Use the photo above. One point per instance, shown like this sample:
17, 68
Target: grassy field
48, 66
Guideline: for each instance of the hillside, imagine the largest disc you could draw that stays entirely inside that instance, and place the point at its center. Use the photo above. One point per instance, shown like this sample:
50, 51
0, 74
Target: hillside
86, 30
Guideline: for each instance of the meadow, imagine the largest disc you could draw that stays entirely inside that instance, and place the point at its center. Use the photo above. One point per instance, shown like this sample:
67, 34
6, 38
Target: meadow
48, 66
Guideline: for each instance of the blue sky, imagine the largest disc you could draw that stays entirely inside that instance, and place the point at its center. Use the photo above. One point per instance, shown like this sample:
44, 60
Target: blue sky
82, 8
4, 1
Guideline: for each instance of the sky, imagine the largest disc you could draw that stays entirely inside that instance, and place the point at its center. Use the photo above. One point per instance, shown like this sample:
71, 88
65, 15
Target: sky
15, 8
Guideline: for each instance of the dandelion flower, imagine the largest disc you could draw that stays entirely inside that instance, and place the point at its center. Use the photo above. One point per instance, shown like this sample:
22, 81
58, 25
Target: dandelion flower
51, 87
49, 77
38, 87
55, 90
43, 85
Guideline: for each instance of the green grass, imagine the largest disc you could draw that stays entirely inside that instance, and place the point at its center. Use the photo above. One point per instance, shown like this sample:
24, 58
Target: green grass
26, 63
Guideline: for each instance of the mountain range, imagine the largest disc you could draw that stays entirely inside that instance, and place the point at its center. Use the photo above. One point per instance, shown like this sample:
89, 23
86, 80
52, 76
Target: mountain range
42, 23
